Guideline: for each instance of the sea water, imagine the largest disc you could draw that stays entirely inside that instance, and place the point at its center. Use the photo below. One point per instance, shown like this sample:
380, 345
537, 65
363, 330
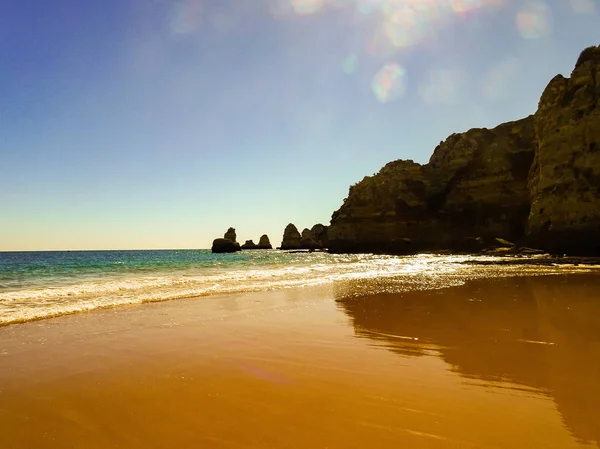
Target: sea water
35, 285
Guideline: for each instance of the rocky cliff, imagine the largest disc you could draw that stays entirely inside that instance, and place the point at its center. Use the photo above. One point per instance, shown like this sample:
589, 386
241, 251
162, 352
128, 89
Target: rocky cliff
565, 177
475, 184
532, 181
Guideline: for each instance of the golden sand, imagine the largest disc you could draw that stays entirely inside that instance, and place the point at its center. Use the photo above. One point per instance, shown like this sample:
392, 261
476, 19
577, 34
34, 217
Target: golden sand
505, 363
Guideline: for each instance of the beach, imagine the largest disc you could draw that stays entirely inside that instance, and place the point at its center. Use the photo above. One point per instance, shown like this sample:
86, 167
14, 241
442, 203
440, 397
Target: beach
506, 362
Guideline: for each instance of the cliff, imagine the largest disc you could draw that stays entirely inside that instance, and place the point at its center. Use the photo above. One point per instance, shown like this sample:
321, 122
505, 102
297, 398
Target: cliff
533, 181
475, 184
565, 177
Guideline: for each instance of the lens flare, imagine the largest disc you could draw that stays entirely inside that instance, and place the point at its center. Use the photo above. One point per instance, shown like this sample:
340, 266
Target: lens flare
389, 83
407, 23
534, 20
461, 6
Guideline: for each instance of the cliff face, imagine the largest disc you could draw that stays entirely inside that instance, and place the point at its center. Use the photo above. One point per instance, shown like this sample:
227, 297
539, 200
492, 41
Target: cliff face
565, 177
475, 184
534, 181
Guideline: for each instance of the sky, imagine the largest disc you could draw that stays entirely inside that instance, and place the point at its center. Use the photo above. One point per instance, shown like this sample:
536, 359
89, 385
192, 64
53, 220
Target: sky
133, 124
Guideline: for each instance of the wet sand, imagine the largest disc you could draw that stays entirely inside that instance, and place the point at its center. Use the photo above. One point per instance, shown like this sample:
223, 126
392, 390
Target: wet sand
501, 363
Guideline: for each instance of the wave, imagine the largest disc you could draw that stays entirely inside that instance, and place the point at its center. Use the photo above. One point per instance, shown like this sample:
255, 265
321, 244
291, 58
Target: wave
413, 272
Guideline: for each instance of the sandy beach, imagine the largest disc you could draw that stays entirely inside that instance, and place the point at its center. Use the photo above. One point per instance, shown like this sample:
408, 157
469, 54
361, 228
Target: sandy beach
501, 363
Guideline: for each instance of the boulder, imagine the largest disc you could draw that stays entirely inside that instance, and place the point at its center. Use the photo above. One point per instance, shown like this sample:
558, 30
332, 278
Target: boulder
264, 242
501, 251
501, 243
530, 251
291, 238
225, 246
565, 177
249, 245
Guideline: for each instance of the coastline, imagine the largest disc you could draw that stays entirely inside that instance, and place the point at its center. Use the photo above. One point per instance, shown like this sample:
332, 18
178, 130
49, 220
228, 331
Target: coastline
327, 366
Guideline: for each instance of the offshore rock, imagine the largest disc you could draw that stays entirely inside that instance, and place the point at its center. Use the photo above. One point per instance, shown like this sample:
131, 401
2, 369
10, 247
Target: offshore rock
565, 177
264, 242
291, 238
308, 240
475, 184
230, 234
227, 244
249, 245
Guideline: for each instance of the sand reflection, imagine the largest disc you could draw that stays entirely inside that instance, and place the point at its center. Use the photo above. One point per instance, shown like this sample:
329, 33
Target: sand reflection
540, 335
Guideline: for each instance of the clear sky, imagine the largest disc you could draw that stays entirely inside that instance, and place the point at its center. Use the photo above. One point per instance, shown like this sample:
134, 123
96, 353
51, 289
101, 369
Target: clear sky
160, 123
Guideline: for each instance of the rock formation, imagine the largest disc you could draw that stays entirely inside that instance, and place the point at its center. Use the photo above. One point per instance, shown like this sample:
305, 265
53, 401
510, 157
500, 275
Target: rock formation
249, 245
230, 234
315, 238
319, 233
534, 181
475, 185
308, 240
264, 242
565, 177
291, 238
228, 244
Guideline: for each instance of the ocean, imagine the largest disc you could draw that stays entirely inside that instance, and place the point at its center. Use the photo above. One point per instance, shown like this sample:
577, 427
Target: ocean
36, 285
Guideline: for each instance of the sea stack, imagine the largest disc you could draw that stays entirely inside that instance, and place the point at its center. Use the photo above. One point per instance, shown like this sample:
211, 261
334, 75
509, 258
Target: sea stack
291, 238
264, 242
249, 245
308, 240
227, 244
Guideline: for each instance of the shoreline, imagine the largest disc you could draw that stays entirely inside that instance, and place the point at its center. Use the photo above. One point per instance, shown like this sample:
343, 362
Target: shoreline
455, 269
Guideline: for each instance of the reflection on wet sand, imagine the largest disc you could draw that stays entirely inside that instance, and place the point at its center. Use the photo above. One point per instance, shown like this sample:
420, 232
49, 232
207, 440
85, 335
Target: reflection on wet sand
538, 334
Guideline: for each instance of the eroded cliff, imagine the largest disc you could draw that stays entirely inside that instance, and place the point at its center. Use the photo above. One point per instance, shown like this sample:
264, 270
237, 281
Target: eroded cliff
475, 184
565, 177
534, 181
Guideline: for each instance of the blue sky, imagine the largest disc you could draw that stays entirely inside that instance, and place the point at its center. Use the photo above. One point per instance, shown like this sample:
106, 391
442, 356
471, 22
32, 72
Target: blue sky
159, 123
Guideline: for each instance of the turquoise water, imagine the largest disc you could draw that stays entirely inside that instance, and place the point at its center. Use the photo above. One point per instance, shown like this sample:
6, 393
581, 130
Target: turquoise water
36, 285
